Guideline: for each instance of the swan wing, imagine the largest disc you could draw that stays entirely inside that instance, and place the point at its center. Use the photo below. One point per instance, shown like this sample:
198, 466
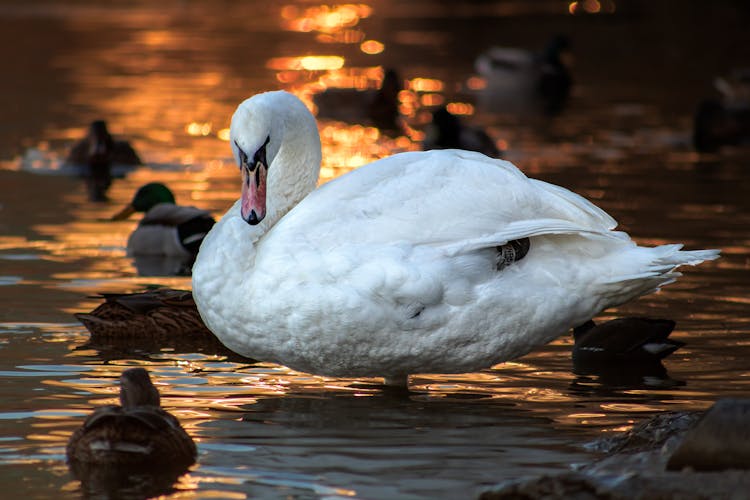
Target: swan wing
446, 198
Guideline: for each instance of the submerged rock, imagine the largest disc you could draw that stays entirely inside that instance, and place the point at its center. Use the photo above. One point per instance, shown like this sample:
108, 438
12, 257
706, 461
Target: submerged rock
719, 441
573, 486
648, 435
712, 451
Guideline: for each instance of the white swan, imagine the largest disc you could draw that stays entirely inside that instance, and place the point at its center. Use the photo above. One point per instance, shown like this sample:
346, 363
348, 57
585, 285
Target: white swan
415, 263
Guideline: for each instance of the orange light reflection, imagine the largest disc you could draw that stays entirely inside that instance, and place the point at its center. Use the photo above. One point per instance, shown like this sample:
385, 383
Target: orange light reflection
323, 18
592, 7
426, 85
309, 63
460, 108
372, 47
343, 36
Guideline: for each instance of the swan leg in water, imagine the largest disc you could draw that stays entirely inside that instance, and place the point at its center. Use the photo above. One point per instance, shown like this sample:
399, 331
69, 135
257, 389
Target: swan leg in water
397, 381
442, 261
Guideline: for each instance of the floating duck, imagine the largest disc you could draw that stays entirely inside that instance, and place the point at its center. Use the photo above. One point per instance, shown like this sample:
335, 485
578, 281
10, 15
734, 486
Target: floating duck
136, 433
625, 353
377, 107
441, 261
624, 339
166, 228
724, 121
521, 81
150, 321
96, 156
163, 314
447, 132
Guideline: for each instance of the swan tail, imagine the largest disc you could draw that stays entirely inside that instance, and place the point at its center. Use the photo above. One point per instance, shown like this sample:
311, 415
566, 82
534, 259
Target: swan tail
654, 267
660, 262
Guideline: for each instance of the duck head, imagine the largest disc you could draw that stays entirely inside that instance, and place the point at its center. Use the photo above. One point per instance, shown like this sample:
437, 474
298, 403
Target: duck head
276, 145
147, 196
136, 389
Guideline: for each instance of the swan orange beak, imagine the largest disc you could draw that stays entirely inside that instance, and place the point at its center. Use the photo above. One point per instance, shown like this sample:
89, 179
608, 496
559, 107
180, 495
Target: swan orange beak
253, 205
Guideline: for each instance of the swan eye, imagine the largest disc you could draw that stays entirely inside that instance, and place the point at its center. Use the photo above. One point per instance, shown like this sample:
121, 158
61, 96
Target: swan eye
242, 155
260, 155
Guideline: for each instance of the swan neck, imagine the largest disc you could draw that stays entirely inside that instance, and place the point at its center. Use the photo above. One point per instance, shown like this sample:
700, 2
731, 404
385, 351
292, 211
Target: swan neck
294, 171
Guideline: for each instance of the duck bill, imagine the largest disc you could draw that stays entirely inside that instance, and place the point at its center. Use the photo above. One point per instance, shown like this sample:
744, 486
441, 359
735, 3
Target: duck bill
253, 204
123, 214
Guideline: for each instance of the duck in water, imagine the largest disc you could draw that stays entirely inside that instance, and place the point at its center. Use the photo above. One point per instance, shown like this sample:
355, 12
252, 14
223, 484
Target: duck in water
137, 432
99, 158
166, 229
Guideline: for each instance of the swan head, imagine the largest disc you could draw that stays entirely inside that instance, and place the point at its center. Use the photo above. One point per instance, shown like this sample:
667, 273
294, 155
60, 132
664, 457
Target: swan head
276, 145
254, 186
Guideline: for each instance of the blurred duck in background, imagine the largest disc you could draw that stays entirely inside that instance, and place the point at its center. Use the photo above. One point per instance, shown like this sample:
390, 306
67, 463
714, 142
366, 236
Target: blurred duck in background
724, 121
117, 441
521, 81
96, 156
629, 340
376, 107
166, 228
446, 131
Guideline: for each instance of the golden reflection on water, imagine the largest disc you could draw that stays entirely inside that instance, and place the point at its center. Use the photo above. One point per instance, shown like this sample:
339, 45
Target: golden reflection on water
179, 125
323, 18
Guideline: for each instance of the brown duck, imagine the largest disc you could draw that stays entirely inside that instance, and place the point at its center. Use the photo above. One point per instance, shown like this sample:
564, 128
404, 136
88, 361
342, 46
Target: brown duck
163, 312
138, 432
151, 321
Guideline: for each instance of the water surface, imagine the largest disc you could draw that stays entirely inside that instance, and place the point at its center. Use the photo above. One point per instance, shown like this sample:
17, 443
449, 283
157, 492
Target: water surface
167, 76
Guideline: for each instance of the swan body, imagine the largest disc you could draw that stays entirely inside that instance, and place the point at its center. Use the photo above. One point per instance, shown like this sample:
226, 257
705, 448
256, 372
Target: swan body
406, 265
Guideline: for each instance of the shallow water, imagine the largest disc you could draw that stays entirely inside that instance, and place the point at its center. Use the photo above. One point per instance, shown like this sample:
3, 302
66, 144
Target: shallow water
168, 77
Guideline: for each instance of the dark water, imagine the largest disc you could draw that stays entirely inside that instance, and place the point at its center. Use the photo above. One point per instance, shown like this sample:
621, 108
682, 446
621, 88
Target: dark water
168, 75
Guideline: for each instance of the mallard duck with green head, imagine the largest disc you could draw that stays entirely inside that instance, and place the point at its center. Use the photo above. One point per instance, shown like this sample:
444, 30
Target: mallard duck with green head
166, 228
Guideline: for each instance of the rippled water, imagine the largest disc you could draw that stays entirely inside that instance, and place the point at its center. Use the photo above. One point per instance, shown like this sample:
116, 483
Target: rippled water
167, 76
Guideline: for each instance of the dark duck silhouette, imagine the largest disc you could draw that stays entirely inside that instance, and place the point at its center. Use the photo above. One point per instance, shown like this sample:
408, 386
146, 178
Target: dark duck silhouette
136, 433
383, 107
520, 81
625, 340
96, 155
377, 107
448, 132
724, 121
624, 353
